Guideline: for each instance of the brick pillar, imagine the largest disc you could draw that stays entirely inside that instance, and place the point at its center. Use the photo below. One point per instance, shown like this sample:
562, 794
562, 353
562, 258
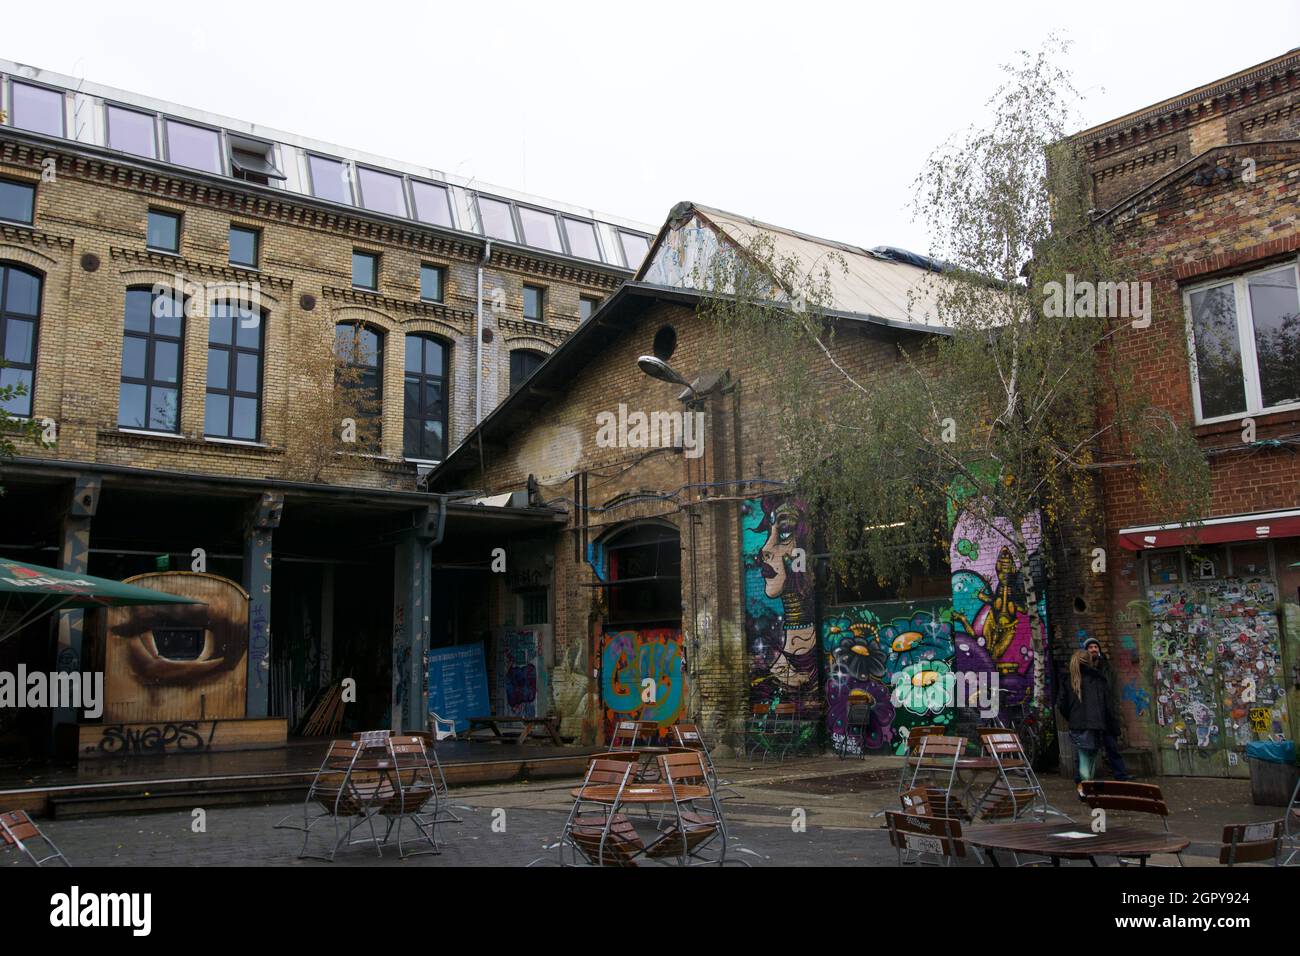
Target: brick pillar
75, 528
263, 519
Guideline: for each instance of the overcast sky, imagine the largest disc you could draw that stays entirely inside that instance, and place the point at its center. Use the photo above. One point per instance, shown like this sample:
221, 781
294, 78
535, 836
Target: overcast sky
812, 115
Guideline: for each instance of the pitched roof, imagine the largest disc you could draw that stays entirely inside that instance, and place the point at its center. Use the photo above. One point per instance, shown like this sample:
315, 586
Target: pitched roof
884, 285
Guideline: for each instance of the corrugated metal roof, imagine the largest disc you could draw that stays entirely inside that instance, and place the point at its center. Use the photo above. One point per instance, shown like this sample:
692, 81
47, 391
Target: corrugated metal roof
873, 285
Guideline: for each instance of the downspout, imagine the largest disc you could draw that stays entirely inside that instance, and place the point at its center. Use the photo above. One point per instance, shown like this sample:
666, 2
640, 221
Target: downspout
478, 336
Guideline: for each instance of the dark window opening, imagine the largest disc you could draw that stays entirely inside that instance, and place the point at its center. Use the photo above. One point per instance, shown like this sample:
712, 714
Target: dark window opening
645, 585
523, 363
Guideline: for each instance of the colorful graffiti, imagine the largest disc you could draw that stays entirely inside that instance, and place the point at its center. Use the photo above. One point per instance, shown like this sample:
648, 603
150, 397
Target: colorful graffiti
520, 673
871, 648
630, 658
1217, 664
990, 615
780, 633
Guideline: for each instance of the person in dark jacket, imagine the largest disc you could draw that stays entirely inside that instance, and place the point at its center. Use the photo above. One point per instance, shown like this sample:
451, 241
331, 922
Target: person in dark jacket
1087, 706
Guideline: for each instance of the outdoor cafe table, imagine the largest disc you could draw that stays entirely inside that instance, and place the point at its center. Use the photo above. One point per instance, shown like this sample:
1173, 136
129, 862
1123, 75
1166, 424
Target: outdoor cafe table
1071, 841
640, 793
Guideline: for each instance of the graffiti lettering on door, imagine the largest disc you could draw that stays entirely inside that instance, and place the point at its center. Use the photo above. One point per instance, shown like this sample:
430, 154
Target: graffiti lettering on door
643, 676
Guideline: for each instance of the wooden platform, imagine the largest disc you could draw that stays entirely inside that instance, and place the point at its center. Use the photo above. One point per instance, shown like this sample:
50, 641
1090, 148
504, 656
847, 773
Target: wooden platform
161, 738
135, 783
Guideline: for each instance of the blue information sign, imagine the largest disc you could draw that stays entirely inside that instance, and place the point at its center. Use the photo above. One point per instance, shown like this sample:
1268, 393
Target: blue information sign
458, 687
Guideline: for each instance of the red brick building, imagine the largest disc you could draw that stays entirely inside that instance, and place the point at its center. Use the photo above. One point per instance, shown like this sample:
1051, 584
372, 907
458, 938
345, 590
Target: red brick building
1202, 192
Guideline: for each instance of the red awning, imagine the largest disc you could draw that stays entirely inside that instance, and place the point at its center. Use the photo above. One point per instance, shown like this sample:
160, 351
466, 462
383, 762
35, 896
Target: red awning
1258, 527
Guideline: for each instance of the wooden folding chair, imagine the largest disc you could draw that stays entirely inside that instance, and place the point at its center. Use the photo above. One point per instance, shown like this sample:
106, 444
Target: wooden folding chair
344, 794
18, 830
1016, 790
939, 837
934, 765
757, 728
626, 735
595, 830
696, 823
1126, 797
1252, 843
416, 788
689, 737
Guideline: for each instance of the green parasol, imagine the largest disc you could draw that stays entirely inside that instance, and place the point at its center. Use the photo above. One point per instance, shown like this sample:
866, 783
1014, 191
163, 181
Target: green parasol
32, 591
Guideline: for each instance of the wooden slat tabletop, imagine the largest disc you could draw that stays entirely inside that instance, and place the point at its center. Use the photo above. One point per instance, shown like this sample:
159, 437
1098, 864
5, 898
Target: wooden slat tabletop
1045, 839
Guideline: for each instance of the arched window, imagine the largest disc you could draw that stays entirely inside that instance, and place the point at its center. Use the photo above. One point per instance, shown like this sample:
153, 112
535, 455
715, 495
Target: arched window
523, 363
360, 350
153, 335
20, 311
425, 398
234, 395
644, 575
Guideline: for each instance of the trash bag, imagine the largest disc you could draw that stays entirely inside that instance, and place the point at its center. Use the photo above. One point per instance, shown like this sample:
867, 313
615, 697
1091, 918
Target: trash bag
1272, 751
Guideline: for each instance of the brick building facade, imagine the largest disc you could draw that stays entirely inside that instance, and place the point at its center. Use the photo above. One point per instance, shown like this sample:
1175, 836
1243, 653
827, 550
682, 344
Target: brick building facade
1202, 193
182, 428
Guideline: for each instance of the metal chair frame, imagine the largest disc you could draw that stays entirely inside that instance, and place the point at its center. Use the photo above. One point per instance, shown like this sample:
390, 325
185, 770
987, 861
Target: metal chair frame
17, 829
908, 828
1017, 779
1291, 827
408, 753
687, 768
689, 737
351, 799
1237, 837
600, 773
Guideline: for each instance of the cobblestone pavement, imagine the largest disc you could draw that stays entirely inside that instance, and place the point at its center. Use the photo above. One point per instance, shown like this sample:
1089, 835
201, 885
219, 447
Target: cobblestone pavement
513, 825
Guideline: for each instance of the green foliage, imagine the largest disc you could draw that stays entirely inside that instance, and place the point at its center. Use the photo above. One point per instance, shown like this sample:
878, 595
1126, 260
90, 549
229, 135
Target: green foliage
14, 429
1013, 406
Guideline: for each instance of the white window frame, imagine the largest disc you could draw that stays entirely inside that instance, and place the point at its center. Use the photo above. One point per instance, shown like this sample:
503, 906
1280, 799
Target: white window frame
1245, 342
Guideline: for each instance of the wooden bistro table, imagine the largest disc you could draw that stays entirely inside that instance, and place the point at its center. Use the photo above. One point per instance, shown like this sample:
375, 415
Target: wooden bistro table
1072, 841
549, 725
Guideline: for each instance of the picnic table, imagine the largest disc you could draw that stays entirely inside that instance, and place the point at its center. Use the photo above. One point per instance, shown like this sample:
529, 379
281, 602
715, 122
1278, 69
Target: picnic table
550, 727
1071, 841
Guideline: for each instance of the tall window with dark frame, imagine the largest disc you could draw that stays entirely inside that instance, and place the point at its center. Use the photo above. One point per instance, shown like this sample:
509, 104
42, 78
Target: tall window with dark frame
432, 280
645, 576
20, 309
523, 363
360, 349
17, 201
424, 423
534, 302
152, 339
163, 231
234, 396
243, 246
587, 305
365, 270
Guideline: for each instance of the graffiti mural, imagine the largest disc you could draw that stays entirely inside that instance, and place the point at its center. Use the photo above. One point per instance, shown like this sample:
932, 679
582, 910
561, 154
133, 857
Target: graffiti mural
520, 674
1217, 669
868, 648
990, 616
173, 662
780, 633
630, 658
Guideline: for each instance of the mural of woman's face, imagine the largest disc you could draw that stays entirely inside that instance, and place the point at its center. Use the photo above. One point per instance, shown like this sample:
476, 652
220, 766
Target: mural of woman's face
778, 549
177, 644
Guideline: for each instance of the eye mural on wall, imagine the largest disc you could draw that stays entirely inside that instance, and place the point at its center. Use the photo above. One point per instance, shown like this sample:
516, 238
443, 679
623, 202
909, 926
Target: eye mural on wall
178, 661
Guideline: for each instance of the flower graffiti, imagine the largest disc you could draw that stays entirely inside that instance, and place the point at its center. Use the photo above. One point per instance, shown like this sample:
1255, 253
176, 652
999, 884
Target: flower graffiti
866, 646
